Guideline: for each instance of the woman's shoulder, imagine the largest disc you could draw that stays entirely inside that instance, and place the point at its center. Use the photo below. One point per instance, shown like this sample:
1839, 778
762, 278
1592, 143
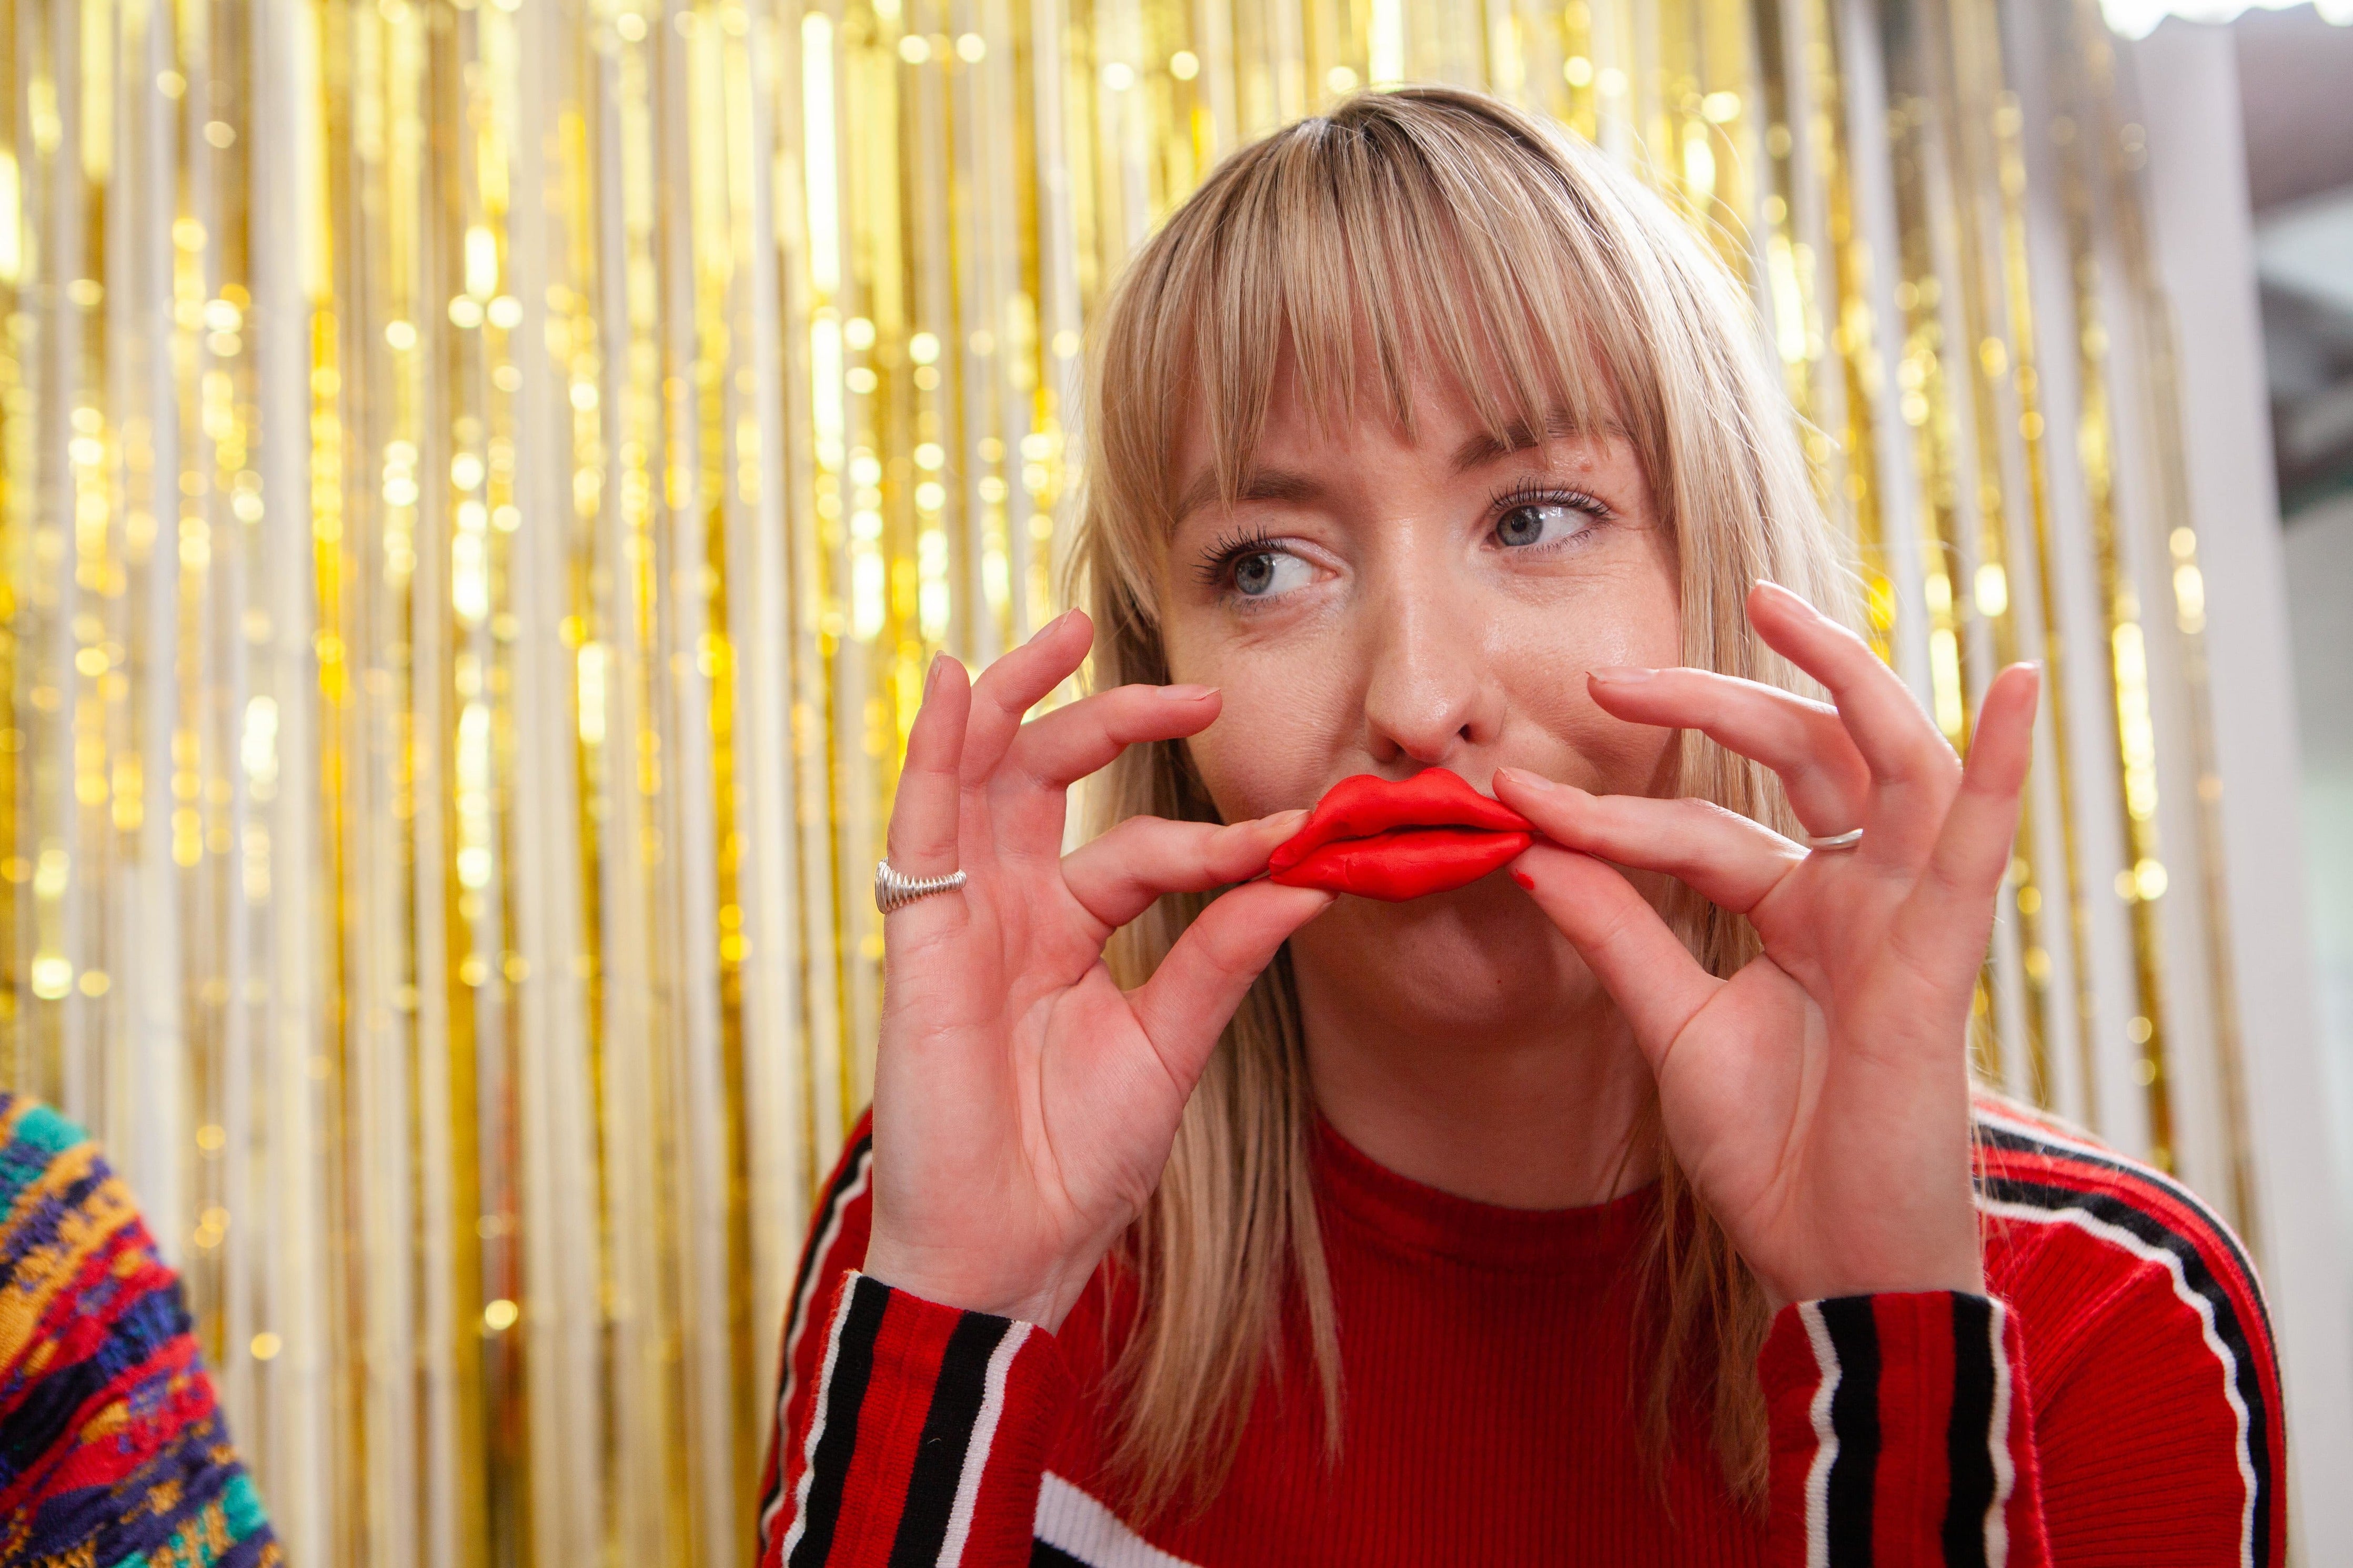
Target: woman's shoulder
2146, 1335
2035, 1170
2090, 1242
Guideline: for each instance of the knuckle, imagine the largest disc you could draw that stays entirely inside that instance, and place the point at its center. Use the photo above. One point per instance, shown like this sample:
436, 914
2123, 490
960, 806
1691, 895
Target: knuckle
1821, 730
913, 836
1814, 710
1009, 784
1708, 825
1702, 812
1615, 927
1218, 952
920, 848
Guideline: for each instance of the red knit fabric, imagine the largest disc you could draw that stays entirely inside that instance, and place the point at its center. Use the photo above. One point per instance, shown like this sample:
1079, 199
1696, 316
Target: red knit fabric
1492, 1377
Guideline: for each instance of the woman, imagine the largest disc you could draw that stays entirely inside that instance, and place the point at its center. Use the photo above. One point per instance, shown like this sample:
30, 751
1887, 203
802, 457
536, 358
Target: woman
1629, 1208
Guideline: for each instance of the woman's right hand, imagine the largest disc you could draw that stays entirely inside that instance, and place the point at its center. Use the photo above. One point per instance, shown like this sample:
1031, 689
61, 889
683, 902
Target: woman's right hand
1024, 1105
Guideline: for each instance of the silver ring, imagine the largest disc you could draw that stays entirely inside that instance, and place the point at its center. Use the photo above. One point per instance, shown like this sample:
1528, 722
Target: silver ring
1847, 840
893, 892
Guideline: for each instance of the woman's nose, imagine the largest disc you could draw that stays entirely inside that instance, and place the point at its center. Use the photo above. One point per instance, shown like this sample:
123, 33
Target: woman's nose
1429, 695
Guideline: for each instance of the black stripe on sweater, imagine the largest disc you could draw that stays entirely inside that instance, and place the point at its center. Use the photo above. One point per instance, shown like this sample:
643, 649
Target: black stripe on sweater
942, 1453
1044, 1556
1854, 1421
844, 1392
1969, 1436
2244, 1369
2223, 1238
843, 1180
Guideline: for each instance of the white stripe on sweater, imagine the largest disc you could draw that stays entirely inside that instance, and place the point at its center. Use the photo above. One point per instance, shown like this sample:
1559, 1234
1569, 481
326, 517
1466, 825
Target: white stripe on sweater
1826, 1443
2105, 1157
976, 1449
816, 1422
1069, 1521
828, 1232
2005, 1473
2119, 1236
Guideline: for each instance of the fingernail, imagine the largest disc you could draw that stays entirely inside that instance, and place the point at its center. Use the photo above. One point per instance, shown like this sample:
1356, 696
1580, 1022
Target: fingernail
1287, 820
1048, 629
1525, 880
1527, 780
1774, 590
932, 675
1621, 674
1189, 693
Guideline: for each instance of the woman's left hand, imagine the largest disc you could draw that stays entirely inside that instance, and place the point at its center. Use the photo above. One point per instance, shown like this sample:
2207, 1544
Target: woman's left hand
1819, 1098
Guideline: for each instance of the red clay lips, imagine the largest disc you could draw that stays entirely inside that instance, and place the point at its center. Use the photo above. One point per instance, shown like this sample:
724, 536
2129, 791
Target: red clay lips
1381, 838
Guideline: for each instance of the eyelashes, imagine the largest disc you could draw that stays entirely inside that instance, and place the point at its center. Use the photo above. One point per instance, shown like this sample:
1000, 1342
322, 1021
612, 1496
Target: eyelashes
1532, 492
1228, 547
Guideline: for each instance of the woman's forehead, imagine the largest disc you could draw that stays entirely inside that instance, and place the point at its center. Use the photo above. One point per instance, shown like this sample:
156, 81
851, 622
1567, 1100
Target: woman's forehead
1299, 459
1438, 416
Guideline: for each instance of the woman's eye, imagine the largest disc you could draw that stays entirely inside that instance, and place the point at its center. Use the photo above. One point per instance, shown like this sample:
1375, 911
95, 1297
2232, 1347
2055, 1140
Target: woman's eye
1540, 523
1264, 573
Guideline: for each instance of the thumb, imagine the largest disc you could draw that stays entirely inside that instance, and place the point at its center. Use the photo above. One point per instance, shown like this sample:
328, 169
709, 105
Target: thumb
1185, 1004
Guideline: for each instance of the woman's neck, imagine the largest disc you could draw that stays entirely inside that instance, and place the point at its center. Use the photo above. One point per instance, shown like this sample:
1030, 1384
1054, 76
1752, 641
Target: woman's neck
1538, 1109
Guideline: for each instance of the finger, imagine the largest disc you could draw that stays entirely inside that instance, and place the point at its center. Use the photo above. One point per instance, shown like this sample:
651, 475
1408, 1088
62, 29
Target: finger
1066, 745
1653, 976
1185, 1004
923, 835
1972, 853
1732, 861
1804, 742
1018, 682
1898, 741
1115, 878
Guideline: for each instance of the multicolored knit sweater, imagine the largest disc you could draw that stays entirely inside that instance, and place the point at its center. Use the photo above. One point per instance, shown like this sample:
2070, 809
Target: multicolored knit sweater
112, 1450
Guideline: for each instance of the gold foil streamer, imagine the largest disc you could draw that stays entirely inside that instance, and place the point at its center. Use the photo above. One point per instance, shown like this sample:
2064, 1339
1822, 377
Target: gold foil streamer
481, 482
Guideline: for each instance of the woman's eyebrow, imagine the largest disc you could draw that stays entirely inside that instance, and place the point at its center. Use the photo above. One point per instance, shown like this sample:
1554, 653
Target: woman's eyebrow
1487, 446
1258, 484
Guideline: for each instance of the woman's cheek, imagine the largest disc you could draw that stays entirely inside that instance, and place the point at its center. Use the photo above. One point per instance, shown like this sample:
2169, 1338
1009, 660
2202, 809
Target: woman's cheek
1272, 746
1260, 757
1547, 682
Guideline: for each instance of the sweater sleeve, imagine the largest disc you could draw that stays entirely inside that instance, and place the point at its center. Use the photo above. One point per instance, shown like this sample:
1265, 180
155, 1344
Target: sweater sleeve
905, 1432
111, 1448
1902, 1435
1905, 1430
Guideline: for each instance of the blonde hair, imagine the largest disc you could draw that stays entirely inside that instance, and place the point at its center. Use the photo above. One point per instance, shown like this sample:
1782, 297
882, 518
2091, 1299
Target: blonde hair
1436, 224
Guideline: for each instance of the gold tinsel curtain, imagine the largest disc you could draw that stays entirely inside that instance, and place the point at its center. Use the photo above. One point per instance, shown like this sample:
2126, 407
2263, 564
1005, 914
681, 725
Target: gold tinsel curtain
480, 480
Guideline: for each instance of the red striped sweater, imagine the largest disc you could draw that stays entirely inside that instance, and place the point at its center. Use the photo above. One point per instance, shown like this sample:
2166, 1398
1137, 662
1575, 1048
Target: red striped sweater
2114, 1400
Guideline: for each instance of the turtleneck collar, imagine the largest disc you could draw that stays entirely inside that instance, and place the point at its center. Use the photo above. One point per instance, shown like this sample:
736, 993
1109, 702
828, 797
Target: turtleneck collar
1400, 1214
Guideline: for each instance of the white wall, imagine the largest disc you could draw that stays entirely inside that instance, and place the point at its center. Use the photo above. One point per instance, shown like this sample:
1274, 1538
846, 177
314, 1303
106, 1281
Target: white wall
2320, 613
2187, 83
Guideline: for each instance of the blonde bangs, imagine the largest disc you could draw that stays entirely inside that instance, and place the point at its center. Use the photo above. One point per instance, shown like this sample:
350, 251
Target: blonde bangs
1362, 252
1405, 233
